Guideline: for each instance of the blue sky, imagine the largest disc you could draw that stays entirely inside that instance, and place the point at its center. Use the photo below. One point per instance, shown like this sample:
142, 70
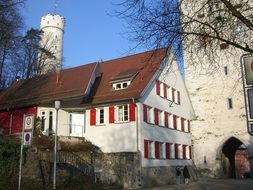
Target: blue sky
90, 34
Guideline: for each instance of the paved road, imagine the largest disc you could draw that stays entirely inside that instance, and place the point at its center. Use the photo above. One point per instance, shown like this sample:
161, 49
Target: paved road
211, 184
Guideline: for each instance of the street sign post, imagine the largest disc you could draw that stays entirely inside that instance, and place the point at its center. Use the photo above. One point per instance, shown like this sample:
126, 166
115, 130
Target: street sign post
26, 140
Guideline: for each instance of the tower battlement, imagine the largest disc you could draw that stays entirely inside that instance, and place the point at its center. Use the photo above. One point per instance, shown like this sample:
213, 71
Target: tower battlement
50, 20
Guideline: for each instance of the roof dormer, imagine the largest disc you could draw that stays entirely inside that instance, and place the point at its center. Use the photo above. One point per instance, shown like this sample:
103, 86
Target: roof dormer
123, 79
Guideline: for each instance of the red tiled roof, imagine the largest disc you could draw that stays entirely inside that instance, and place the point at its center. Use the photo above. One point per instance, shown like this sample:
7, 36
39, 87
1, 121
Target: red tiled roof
72, 83
46, 88
146, 63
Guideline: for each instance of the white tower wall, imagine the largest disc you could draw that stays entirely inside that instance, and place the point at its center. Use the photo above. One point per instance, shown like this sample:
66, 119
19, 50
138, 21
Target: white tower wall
52, 41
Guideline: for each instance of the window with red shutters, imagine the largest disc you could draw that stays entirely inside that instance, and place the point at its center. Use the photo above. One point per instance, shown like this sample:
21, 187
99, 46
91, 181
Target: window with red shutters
157, 150
178, 97
165, 90
166, 119
167, 153
156, 116
158, 87
132, 111
184, 151
176, 151
146, 148
111, 114
93, 116
145, 113
173, 94
174, 121
182, 124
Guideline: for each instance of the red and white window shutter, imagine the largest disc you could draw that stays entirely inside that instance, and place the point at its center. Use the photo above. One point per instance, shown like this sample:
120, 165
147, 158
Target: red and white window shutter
158, 87
132, 111
145, 113
93, 116
167, 153
156, 116
182, 124
166, 119
111, 114
178, 97
146, 148
157, 149
184, 151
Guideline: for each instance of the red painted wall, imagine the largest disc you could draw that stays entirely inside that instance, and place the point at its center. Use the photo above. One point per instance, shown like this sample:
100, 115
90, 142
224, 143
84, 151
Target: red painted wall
17, 119
241, 163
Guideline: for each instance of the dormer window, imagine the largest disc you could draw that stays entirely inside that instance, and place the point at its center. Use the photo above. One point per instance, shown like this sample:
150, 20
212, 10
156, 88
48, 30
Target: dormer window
123, 79
121, 85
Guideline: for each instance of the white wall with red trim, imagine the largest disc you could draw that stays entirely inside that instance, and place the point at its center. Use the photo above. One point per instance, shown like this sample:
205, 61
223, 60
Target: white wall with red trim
165, 132
112, 136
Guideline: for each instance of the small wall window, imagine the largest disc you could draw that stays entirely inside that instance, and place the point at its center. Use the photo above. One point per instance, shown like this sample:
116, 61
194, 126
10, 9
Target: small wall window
149, 115
101, 117
151, 149
122, 113
230, 103
226, 70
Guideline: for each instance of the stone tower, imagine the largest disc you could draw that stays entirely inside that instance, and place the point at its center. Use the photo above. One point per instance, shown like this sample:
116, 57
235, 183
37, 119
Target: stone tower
50, 56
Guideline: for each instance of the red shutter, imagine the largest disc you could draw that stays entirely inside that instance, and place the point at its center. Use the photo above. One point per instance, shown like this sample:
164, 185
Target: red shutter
173, 94
166, 124
165, 90
190, 152
156, 116
93, 116
167, 150
178, 97
184, 151
182, 124
188, 125
145, 113
111, 114
145, 148
175, 121
132, 111
157, 150
158, 87
176, 151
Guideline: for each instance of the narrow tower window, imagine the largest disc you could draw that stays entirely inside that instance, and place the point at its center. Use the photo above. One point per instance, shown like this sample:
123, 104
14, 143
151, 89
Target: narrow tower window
230, 103
226, 70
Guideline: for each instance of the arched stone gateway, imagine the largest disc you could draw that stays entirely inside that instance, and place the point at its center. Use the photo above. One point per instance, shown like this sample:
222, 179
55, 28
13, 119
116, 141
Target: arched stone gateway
234, 159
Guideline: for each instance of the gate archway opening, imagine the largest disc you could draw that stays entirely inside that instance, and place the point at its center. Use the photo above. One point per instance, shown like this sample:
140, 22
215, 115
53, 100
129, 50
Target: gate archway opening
235, 162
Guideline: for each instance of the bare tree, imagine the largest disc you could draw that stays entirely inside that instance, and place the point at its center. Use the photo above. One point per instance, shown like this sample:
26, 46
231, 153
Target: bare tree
30, 58
204, 26
10, 26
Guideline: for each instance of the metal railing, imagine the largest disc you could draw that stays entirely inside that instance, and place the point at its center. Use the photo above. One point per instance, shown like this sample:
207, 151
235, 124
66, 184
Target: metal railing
70, 158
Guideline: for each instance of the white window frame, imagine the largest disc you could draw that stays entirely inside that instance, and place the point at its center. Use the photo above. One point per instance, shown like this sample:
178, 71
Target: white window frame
151, 149
176, 95
150, 115
186, 125
179, 127
180, 151
171, 121
169, 93
122, 116
172, 151
98, 117
162, 150
161, 89
160, 118
120, 85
